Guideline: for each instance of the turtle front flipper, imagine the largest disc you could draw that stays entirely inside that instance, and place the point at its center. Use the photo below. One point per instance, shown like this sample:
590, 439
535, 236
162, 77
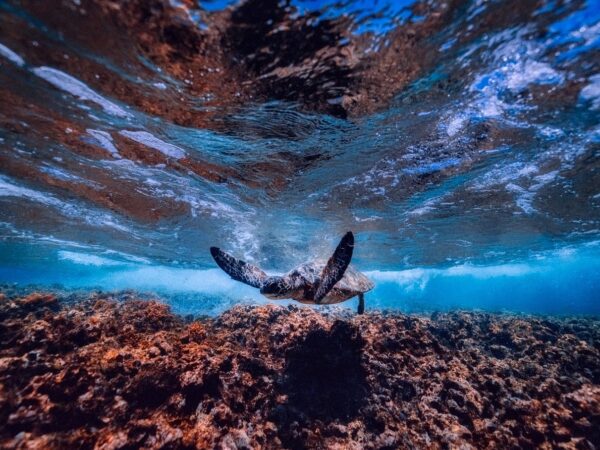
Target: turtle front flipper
237, 269
336, 267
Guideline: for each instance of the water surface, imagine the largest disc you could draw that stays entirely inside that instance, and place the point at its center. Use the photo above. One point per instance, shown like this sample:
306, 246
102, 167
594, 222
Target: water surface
459, 141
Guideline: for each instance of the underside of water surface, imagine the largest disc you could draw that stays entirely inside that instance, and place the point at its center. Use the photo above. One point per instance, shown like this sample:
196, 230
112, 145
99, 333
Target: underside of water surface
458, 140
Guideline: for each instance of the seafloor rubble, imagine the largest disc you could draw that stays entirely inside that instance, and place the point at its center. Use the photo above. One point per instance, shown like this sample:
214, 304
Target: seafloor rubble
107, 374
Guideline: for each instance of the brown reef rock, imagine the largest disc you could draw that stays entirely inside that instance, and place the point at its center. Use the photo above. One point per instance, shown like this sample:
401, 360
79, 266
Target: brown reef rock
107, 374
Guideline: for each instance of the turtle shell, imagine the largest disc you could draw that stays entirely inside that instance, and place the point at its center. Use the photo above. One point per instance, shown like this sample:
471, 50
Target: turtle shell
352, 283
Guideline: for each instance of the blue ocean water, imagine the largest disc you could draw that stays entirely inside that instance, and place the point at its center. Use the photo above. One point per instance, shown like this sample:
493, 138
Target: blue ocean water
476, 186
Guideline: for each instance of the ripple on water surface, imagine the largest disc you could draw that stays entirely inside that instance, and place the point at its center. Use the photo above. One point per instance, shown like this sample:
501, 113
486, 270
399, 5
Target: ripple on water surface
480, 153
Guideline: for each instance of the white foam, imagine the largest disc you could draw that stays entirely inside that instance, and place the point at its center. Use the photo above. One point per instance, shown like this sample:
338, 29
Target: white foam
526, 195
486, 272
524, 198
421, 211
169, 279
389, 172
152, 182
491, 107
515, 68
148, 139
87, 259
9, 189
541, 180
455, 125
565, 253
11, 56
105, 141
419, 278
245, 241
411, 278
551, 132
128, 257
63, 175
28, 235
197, 205
447, 45
430, 205
525, 179
161, 184
529, 72
591, 92
79, 89
367, 219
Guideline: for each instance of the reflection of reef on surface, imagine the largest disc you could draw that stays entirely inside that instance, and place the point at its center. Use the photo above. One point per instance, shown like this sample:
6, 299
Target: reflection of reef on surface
259, 50
123, 374
146, 113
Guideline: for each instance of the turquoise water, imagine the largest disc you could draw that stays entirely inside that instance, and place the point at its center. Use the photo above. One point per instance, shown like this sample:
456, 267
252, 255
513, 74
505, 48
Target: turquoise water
474, 185
562, 282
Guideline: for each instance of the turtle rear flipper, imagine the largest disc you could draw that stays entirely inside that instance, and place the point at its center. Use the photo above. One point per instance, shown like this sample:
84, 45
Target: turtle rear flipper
361, 304
237, 269
335, 267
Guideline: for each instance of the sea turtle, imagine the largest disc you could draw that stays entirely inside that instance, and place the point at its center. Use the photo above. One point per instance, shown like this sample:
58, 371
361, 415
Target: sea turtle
317, 282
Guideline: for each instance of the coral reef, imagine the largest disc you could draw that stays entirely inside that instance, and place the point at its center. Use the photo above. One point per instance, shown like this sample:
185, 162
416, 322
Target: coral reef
109, 374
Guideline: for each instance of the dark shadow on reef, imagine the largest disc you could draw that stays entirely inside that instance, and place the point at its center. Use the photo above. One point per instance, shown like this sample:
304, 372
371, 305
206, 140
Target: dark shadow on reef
324, 377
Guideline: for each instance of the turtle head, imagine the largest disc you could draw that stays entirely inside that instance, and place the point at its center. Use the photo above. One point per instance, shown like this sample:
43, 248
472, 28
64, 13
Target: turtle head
275, 288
